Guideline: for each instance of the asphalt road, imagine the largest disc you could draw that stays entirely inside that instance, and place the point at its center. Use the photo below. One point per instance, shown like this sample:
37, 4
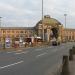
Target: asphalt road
33, 61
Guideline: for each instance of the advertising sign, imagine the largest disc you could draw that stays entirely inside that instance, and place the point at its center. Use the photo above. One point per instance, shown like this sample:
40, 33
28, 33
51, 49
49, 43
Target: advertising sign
7, 42
7, 45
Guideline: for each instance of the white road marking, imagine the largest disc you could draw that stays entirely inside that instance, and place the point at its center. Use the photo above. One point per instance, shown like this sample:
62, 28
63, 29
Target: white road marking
22, 52
9, 52
2, 67
41, 54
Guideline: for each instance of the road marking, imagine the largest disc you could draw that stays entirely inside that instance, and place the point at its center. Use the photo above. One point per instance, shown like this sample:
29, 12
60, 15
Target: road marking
41, 54
22, 52
2, 67
9, 52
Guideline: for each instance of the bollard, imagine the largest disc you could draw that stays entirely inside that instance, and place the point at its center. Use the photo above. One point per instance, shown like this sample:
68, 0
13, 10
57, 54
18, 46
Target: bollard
71, 54
73, 48
65, 66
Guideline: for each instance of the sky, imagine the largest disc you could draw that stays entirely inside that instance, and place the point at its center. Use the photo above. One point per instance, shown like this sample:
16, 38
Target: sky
26, 13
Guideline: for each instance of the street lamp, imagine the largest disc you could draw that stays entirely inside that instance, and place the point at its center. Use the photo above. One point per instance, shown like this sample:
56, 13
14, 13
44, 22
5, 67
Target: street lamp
65, 27
42, 23
65, 20
0, 21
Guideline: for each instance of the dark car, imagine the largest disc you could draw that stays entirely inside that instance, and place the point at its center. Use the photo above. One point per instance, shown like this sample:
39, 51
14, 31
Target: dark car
54, 43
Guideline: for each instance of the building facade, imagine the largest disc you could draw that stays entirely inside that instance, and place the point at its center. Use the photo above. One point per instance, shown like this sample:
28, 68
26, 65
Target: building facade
52, 29
52, 26
69, 34
11, 35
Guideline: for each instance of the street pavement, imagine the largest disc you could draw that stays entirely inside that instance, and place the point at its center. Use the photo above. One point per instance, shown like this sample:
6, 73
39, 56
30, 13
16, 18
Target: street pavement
72, 66
33, 61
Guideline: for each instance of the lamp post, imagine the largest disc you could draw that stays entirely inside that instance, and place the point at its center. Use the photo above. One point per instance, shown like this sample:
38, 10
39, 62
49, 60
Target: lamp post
42, 23
65, 27
65, 20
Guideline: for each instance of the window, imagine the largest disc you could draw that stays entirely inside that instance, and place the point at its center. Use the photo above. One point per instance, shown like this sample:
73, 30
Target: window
72, 37
21, 31
69, 37
8, 31
12, 31
17, 31
0, 39
25, 32
3, 31
17, 35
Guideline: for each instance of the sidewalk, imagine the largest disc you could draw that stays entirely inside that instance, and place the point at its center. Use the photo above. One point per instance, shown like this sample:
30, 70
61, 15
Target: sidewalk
10, 49
14, 49
72, 66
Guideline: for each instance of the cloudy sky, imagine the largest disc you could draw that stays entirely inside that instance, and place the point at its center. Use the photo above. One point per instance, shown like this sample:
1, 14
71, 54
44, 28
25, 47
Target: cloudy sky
24, 13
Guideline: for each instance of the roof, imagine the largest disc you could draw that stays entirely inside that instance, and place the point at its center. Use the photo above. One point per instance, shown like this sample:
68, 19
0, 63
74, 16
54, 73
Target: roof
29, 28
69, 29
49, 21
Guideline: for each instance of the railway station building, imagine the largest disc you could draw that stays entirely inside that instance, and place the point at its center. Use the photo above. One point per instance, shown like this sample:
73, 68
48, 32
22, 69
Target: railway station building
49, 28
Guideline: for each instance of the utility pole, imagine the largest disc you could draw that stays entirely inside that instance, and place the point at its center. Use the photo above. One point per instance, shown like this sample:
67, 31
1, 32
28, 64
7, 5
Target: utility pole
65, 27
65, 20
42, 23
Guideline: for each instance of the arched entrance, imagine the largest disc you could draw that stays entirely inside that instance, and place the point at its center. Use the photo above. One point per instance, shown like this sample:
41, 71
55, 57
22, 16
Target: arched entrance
52, 29
55, 33
54, 36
